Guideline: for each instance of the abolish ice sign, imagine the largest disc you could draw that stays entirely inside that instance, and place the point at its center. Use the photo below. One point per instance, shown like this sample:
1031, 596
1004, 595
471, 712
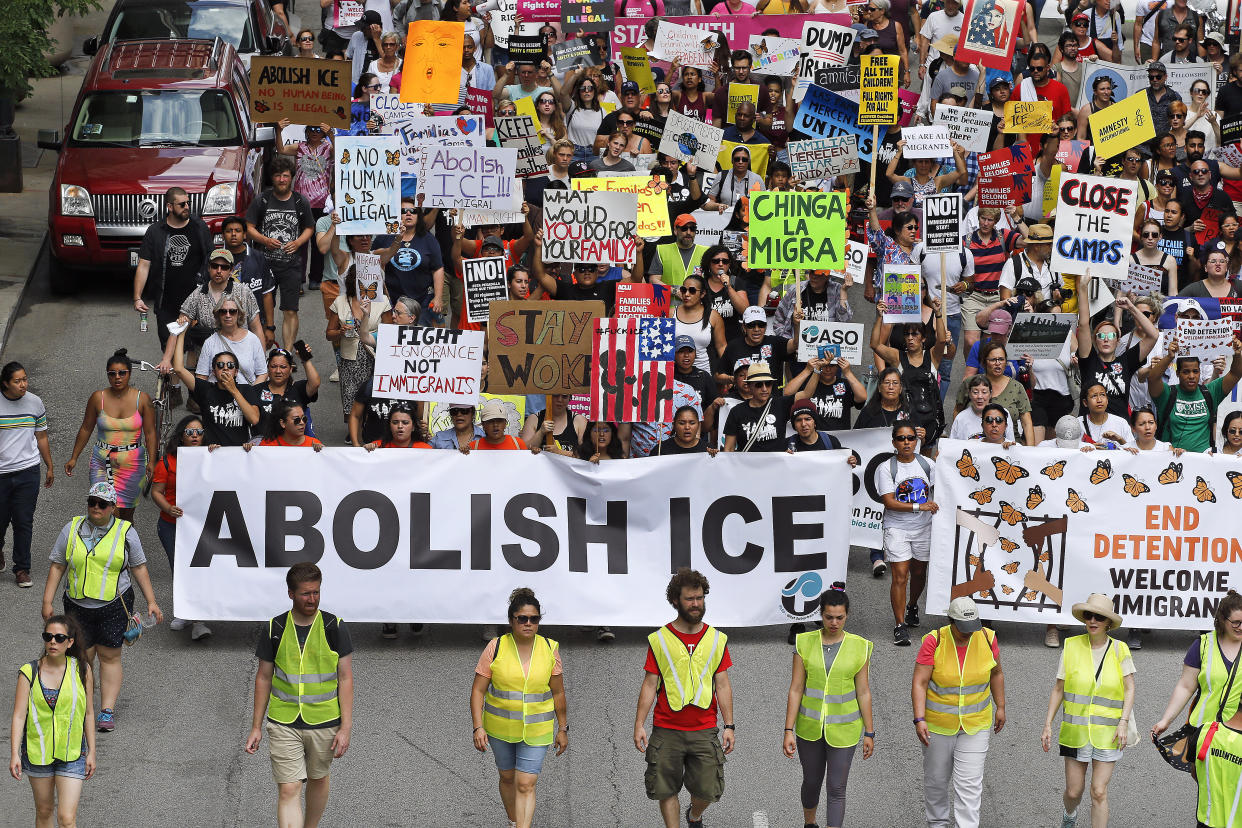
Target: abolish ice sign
1095, 223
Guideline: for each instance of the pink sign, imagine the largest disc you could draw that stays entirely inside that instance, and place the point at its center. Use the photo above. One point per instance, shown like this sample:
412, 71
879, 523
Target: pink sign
737, 29
480, 103
539, 11
642, 300
348, 13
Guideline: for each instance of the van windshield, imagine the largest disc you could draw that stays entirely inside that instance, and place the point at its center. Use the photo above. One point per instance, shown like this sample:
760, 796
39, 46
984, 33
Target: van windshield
157, 118
186, 20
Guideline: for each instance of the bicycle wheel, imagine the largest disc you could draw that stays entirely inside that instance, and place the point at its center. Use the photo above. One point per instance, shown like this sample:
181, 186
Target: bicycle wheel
163, 416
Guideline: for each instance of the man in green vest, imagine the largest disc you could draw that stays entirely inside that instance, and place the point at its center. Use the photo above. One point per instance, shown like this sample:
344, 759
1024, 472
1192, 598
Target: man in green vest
305, 686
673, 262
686, 680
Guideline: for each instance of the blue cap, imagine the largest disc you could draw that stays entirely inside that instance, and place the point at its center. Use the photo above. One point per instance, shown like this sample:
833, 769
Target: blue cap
684, 341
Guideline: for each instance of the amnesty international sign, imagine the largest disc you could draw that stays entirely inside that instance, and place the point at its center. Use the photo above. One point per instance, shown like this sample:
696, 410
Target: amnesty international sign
1125, 124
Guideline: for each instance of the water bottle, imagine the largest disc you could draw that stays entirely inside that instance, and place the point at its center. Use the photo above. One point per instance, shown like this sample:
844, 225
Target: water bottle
142, 321
869, 378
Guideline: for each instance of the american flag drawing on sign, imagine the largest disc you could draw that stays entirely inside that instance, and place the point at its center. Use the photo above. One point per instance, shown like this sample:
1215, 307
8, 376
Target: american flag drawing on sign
632, 370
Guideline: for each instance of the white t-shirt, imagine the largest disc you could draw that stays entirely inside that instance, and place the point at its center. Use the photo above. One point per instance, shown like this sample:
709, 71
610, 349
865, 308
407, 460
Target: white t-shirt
1042, 274
955, 272
912, 485
968, 425
251, 361
937, 25
1112, 423
1141, 10
582, 124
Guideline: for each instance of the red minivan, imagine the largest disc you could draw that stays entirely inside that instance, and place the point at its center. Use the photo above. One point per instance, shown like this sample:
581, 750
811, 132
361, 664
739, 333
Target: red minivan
151, 114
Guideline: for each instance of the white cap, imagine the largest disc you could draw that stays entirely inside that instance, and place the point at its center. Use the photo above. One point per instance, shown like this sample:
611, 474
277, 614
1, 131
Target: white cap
965, 615
754, 314
1069, 432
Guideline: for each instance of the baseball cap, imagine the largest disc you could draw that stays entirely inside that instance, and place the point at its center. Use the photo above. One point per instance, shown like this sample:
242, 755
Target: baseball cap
1069, 432
492, 410
221, 253
902, 189
868, 34
964, 615
858, 27
759, 371
580, 169
684, 219
1000, 322
754, 314
629, 88
103, 491
370, 17
741, 365
1005, 79
1165, 175
1027, 284
684, 341
493, 241
958, 92
801, 407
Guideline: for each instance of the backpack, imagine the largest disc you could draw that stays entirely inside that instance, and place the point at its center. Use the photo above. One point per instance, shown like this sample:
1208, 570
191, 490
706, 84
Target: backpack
923, 464
1166, 408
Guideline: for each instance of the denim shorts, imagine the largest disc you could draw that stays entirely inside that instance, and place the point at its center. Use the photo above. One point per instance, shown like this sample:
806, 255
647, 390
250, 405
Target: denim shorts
524, 757
72, 770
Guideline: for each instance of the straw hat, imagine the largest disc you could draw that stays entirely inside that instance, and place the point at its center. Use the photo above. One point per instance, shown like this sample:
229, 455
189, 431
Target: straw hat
1100, 605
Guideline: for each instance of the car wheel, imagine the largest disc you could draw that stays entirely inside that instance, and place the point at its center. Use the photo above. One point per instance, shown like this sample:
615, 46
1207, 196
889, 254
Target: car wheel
62, 278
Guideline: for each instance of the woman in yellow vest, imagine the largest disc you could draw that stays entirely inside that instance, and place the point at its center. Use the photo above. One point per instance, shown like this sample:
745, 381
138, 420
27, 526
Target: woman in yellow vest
51, 742
517, 705
829, 706
1206, 669
1095, 684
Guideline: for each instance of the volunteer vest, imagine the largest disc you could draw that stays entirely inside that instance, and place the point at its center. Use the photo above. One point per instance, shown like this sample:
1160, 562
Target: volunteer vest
94, 573
670, 259
959, 697
303, 677
688, 678
1220, 779
1092, 708
55, 733
1213, 676
518, 705
829, 706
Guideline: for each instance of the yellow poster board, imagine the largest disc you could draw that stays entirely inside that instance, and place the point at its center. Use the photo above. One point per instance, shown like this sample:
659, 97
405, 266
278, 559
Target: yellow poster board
1125, 124
877, 90
1028, 117
526, 106
758, 157
1050, 190
652, 203
638, 68
739, 92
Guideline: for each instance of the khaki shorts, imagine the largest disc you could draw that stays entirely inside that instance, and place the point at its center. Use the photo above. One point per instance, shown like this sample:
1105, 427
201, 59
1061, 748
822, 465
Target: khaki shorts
690, 757
328, 291
972, 302
298, 755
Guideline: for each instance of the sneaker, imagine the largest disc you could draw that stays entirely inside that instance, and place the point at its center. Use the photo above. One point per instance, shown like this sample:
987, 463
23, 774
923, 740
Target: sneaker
1052, 638
199, 631
105, 722
417, 629
490, 632
693, 823
794, 629
23, 578
177, 624
604, 635
389, 631
901, 635
1069, 820
335, 376
1135, 639
878, 569
912, 615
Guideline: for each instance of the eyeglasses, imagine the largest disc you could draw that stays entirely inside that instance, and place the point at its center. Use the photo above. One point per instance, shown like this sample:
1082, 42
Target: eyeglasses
457, 411
59, 638
761, 383
225, 366
124, 372
995, 360
528, 619
98, 503
193, 432
375, 87
307, 39
1106, 336
994, 420
1093, 616
1132, 159
408, 211
904, 438
227, 311
220, 266
690, 289
720, 260
1235, 624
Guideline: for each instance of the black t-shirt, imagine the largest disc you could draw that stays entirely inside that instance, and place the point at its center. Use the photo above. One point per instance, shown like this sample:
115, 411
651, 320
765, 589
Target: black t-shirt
833, 403
744, 419
334, 631
877, 417
411, 272
280, 220
1115, 376
250, 268
608, 125
262, 396
824, 443
375, 410
670, 446
771, 350
605, 292
815, 308
179, 261
703, 383
223, 421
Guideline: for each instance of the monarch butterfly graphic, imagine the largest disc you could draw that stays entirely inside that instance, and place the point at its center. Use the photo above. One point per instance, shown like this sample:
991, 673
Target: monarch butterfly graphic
1034, 497
259, 106
349, 199
1236, 480
1011, 568
1008, 472
1007, 545
974, 560
1031, 595
966, 466
394, 157
1076, 503
1203, 492
1052, 472
657, 184
368, 291
1172, 474
1133, 486
983, 496
393, 227
1011, 515
1103, 471
1045, 557
1005, 588
339, 112
345, 156
987, 593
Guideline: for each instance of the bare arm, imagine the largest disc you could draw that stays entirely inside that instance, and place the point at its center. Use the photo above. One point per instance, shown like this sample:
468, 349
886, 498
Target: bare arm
140, 282
345, 695
918, 698
646, 700
143, 578
724, 696
84, 433
55, 572
1186, 685
262, 689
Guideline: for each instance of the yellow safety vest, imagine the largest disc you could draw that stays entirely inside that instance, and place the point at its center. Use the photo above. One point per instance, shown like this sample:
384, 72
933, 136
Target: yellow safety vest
688, 679
518, 705
1213, 676
1092, 710
1220, 779
959, 697
94, 573
675, 271
304, 681
829, 706
55, 733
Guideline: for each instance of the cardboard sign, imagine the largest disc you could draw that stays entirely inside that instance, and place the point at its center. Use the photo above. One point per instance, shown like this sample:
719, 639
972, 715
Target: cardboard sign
802, 231
1028, 117
926, 142
484, 281
632, 370
367, 184
432, 364
774, 55
1094, 226
824, 157
577, 52
642, 299
638, 69
942, 223
990, 32
825, 114
969, 127
878, 90
435, 47
518, 132
1142, 280
1041, 335
1207, 339
692, 47
583, 226
586, 16
846, 337
652, 200
739, 93
477, 177
541, 347
1123, 125
308, 92
369, 276
686, 138
902, 299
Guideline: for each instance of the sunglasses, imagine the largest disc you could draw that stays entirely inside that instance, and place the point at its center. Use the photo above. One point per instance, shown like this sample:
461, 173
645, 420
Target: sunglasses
994, 420
761, 383
1198, 91
741, 158
220, 266
408, 211
456, 411
1093, 616
59, 638
1106, 336
755, 325
720, 260
181, 204
375, 87
1035, 68
1194, 172
690, 289
904, 438
98, 503
627, 122
528, 619
227, 311
226, 366
193, 432
1149, 314
297, 420
314, 129
1130, 160
307, 39
689, 228
1066, 128
120, 373
1234, 431
1181, 40
1078, 23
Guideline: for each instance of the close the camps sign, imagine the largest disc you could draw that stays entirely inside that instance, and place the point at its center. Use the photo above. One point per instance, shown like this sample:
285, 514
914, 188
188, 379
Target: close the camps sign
444, 538
1095, 222
797, 231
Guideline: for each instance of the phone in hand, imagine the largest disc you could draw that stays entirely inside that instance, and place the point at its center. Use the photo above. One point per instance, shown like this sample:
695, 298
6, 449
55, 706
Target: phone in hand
303, 351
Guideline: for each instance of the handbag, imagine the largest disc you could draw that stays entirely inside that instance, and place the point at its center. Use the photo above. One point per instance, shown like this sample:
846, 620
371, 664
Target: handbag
133, 626
1179, 747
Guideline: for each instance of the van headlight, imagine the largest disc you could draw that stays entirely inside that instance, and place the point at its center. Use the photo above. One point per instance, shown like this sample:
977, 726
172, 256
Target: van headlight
221, 200
75, 200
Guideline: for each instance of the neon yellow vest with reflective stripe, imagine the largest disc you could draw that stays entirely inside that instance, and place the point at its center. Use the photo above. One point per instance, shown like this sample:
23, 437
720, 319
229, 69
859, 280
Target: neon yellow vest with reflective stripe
1213, 676
1220, 779
1090, 710
675, 271
304, 678
94, 573
829, 707
959, 697
54, 733
518, 704
688, 679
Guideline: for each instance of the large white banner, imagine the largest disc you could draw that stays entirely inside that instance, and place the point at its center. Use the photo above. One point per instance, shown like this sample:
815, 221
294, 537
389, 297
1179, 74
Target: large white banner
1028, 532
446, 537
872, 446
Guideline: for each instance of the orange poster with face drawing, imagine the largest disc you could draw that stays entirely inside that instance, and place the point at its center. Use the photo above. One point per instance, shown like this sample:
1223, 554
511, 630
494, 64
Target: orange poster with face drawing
431, 72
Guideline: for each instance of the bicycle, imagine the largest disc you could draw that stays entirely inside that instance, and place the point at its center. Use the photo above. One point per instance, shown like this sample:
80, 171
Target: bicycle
163, 408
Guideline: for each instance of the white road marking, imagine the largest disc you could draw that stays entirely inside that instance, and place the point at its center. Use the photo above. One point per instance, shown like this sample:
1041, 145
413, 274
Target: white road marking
760, 819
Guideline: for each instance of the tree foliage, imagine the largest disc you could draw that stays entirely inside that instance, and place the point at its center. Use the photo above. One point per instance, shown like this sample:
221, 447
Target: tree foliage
24, 28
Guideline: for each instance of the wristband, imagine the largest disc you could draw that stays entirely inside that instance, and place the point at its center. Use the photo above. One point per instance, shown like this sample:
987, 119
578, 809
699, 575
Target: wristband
918, 719
730, 727
869, 734
789, 730
477, 729
914, 507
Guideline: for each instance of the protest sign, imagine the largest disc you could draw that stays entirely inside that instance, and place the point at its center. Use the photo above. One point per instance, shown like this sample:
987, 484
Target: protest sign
902, 300
842, 79
711, 224
734, 29
1206, 339
632, 370
926, 142
825, 114
758, 153
878, 91
646, 299
577, 52
1042, 335
1004, 191
1231, 131
480, 103
1028, 532
540, 11
824, 46
942, 222
583, 226
1142, 280
823, 157
419, 132
638, 69
1123, 125
413, 363
739, 93
969, 127
774, 55
541, 347
435, 47
518, 132
690, 46
309, 92
369, 276
586, 16
1094, 226
484, 282
488, 218
346, 13
652, 200
686, 138
514, 406
1048, 201
1069, 153
504, 23
478, 177
367, 184
596, 541
1028, 117
873, 447
990, 32
531, 48
803, 231
847, 336
856, 260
